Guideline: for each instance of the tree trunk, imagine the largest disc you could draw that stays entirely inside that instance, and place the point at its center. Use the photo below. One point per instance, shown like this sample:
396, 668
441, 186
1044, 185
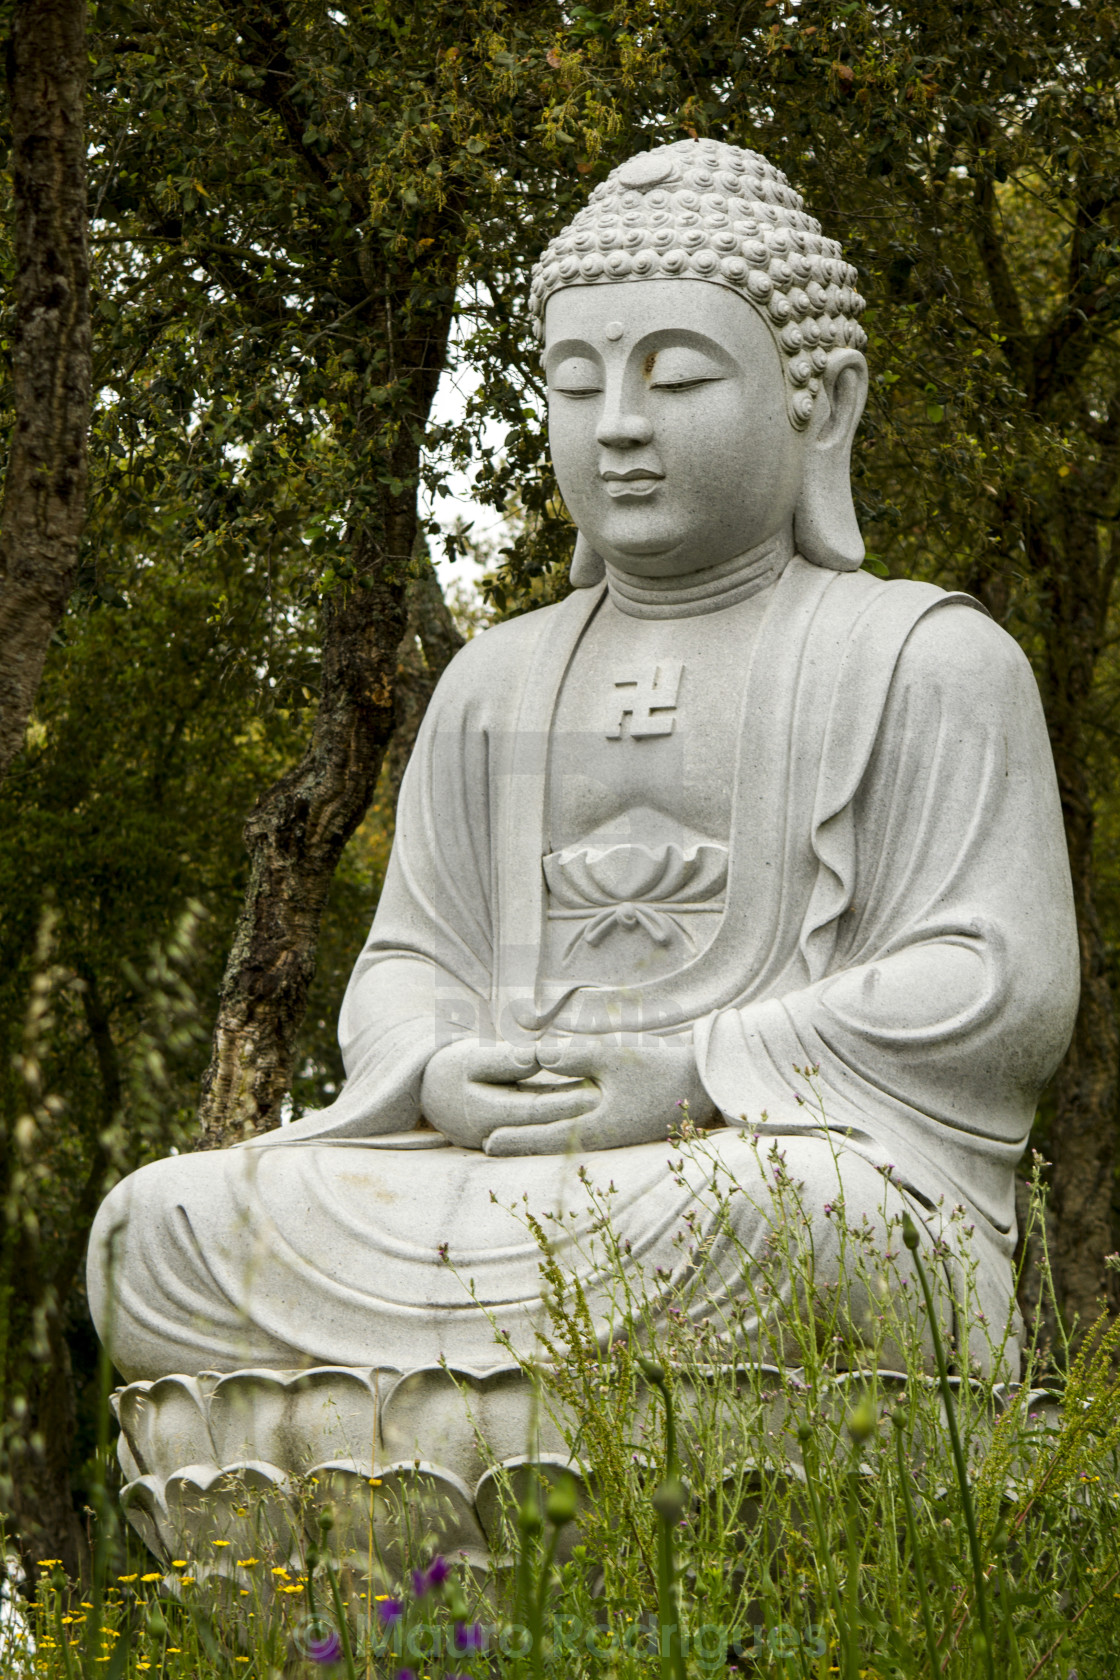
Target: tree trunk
297, 832
295, 836
45, 487
431, 641
1083, 1132
45, 1523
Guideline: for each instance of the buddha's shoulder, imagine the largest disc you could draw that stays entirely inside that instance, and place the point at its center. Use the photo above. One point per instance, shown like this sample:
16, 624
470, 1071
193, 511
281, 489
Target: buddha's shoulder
496, 661
504, 648
952, 642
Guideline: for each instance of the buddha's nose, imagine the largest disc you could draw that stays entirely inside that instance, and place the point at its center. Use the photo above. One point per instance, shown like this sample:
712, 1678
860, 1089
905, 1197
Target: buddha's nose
619, 430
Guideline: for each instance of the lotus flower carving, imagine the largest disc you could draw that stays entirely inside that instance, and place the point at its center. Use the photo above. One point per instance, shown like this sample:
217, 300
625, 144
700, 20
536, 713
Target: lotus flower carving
651, 887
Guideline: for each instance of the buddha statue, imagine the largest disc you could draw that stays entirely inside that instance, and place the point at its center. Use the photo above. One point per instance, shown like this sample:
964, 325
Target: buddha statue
737, 832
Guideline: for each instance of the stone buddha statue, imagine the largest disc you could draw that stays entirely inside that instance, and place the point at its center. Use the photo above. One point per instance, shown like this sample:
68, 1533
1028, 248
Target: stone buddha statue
734, 810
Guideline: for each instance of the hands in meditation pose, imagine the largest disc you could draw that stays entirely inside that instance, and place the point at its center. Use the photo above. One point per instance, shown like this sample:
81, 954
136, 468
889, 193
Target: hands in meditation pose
733, 809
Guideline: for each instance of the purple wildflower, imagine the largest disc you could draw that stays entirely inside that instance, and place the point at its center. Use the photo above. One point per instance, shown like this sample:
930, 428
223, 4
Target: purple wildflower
419, 1583
468, 1638
326, 1649
390, 1610
406, 1674
438, 1572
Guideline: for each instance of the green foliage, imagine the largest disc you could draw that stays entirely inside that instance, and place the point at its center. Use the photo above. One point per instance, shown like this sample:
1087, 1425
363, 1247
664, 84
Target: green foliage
816, 1524
287, 202
968, 157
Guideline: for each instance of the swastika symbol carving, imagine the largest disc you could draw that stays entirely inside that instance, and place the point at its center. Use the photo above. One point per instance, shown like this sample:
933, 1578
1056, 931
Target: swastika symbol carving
648, 701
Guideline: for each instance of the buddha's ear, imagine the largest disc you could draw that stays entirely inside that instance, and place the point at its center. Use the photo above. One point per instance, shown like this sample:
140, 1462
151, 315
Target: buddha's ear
587, 566
825, 528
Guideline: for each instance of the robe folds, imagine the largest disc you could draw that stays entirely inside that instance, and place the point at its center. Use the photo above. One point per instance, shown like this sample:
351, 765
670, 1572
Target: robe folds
895, 967
898, 912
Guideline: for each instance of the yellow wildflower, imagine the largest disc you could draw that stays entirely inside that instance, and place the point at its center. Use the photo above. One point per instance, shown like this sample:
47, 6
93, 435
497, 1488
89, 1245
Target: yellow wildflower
128, 1577
178, 1563
48, 1563
247, 1563
279, 1570
154, 1576
219, 1542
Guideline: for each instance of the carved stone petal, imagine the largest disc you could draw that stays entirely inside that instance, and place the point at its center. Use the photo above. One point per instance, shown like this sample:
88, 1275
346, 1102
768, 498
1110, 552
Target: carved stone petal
415, 1511
131, 1471
715, 1428
165, 1424
293, 1420
142, 1503
219, 1516
465, 1421
751, 1495
505, 1487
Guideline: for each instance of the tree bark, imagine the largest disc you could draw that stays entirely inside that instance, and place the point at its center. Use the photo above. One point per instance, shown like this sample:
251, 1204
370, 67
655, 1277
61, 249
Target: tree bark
296, 834
1075, 575
45, 1523
431, 640
45, 487
1083, 1133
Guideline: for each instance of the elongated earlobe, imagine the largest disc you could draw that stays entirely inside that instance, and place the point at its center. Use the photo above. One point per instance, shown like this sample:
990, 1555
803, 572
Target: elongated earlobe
587, 566
825, 527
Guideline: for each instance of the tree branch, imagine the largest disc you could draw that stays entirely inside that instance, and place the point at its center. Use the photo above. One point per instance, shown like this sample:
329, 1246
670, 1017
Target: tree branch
997, 271
1080, 320
264, 26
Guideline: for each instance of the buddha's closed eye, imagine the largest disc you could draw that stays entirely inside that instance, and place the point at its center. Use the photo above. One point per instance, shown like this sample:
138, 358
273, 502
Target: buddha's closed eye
576, 376
680, 367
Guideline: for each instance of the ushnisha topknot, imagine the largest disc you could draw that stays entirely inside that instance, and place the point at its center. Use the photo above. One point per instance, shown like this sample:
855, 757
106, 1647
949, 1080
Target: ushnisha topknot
703, 210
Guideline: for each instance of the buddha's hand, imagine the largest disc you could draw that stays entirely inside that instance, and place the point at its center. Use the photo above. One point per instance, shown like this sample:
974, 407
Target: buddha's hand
638, 1093
470, 1091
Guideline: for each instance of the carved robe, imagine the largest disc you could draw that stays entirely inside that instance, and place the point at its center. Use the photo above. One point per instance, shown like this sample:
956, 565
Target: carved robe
893, 910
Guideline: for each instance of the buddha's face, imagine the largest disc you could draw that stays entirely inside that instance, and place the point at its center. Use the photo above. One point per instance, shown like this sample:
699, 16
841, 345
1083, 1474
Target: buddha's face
667, 418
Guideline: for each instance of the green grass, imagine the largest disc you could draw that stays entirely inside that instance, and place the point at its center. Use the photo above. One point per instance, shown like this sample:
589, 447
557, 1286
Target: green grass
787, 1519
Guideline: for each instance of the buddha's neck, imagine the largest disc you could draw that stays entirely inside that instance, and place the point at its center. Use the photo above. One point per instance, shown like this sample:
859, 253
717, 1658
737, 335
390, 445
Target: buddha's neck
705, 591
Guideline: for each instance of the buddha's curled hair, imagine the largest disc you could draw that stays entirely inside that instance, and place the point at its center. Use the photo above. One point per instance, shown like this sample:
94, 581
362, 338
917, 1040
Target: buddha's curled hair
703, 210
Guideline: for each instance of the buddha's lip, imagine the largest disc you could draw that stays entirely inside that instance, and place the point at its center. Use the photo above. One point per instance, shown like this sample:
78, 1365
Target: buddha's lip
639, 481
